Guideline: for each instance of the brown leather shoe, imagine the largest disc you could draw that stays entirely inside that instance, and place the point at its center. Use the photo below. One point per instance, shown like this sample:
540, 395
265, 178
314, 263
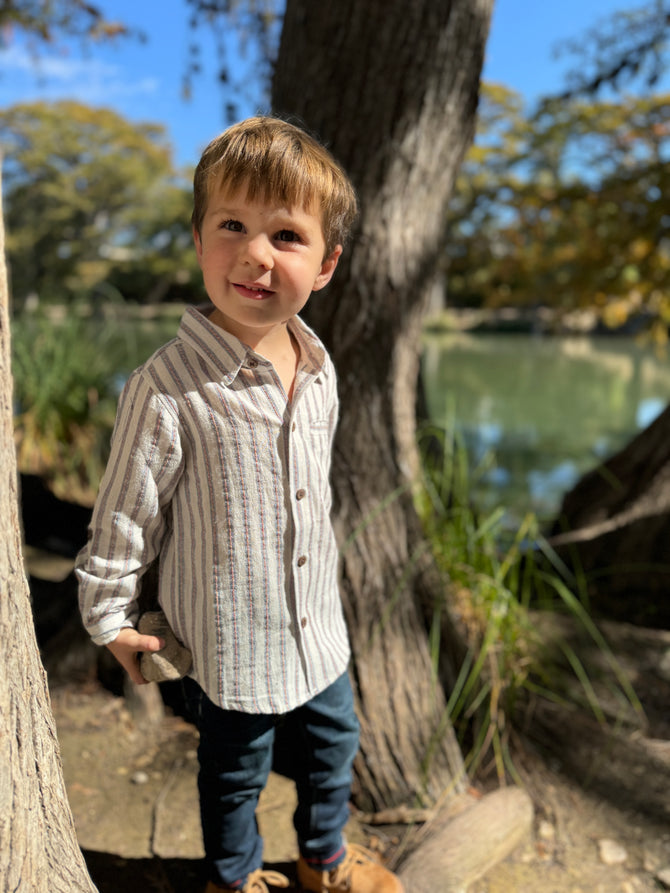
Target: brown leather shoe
257, 882
359, 872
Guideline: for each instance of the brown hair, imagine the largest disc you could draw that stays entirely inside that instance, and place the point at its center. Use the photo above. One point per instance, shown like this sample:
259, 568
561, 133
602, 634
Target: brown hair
278, 162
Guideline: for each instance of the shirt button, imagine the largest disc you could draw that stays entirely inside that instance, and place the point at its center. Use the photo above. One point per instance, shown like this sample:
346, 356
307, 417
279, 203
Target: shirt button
300, 494
302, 560
303, 622
253, 363
293, 426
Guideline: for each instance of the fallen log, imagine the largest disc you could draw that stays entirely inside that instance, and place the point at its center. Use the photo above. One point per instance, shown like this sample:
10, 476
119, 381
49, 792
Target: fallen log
459, 849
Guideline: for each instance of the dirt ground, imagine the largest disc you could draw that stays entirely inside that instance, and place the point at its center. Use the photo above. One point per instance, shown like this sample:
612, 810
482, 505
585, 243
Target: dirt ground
134, 799
133, 794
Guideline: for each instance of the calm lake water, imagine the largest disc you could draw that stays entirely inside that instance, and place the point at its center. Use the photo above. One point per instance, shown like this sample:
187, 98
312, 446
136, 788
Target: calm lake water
548, 409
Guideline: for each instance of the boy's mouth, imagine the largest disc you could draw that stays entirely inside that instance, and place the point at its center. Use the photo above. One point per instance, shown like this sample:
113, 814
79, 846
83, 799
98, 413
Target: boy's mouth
255, 292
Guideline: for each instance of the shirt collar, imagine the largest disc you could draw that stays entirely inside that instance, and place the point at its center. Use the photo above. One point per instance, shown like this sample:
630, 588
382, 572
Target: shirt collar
227, 354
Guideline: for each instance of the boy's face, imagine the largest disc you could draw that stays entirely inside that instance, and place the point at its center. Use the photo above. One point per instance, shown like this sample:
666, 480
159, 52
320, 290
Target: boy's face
260, 262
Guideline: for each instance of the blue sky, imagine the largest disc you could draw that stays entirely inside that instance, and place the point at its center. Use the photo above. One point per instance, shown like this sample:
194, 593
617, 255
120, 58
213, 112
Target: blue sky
143, 80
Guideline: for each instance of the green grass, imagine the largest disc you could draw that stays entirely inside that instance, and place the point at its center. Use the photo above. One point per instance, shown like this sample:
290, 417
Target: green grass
494, 582
69, 364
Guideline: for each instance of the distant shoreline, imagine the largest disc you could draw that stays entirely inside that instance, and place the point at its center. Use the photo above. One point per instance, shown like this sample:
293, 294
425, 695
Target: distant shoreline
530, 321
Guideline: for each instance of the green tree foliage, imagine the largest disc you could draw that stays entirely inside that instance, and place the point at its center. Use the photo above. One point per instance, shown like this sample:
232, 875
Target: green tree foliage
478, 273
91, 198
566, 208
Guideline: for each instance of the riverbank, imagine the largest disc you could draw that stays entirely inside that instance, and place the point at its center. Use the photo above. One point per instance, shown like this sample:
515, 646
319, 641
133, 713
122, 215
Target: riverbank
536, 321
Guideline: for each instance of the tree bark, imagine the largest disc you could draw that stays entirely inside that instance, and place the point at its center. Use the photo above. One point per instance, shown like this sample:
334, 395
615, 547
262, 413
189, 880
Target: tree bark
38, 843
614, 526
391, 87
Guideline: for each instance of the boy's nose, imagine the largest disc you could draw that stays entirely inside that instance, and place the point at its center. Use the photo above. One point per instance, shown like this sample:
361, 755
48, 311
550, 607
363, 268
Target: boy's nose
259, 251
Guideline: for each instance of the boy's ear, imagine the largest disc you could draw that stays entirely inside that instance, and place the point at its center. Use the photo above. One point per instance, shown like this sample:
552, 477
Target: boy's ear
327, 269
198, 244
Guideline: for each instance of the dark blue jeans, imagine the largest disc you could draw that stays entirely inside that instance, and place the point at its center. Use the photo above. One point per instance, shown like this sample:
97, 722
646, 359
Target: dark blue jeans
236, 756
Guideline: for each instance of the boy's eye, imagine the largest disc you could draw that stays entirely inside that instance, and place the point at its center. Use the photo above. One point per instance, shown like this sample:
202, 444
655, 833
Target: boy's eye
233, 225
287, 235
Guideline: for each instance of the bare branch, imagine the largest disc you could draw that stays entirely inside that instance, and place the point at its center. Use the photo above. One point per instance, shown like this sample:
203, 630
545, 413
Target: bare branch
631, 45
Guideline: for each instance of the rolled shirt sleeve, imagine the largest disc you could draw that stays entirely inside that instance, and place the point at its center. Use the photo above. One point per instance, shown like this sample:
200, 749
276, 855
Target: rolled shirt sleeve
131, 513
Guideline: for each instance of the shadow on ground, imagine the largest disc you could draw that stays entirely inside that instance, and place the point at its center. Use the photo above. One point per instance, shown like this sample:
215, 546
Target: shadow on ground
111, 874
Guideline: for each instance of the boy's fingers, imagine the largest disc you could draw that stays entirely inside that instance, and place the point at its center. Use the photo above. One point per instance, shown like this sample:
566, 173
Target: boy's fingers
129, 661
130, 640
126, 648
133, 670
150, 643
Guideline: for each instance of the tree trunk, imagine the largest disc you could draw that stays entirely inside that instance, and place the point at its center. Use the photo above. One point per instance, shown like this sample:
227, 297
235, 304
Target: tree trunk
614, 527
38, 844
391, 87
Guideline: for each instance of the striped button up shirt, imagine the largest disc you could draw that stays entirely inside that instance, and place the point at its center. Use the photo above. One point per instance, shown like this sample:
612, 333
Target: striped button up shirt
213, 470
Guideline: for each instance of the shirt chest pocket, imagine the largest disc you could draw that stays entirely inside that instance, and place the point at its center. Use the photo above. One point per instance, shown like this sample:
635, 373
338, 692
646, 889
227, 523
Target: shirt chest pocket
316, 447
319, 426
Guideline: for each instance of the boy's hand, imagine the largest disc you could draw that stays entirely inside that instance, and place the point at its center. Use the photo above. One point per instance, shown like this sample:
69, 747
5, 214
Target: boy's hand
125, 648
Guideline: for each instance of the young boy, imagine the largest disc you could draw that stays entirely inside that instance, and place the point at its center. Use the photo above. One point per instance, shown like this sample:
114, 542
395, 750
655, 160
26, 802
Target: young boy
219, 467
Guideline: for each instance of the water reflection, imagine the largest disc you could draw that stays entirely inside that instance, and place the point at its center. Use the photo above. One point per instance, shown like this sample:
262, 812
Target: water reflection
549, 409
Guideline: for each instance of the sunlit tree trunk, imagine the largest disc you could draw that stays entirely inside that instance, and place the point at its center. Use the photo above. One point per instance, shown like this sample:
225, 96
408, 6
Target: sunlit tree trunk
392, 88
38, 844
